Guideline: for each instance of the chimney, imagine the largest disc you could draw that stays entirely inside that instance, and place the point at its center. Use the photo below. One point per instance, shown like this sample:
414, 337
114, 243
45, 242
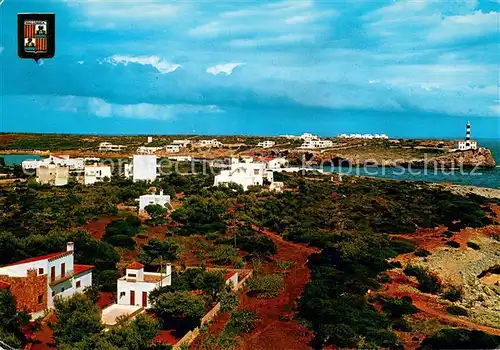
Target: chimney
70, 246
161, 192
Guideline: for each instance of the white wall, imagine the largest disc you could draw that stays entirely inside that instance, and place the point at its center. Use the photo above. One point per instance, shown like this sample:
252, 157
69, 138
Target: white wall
144, 167
148, 199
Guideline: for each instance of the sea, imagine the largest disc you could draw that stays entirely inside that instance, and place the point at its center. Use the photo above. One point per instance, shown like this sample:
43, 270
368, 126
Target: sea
479, 177
476, 177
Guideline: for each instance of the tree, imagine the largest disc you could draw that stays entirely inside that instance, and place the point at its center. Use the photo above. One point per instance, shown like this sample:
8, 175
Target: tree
156, 250
157, 214
211, 283
180, 305
136, 334
266, 286
77, 318
11, 320
225, 255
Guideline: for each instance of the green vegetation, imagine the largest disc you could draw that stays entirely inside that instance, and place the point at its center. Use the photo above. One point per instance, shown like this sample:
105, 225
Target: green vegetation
241, 321
175, 306
157, 214
453, 294
79, 327
473, 245
266, 286
428, 282
460, 339
11, 320
155, 251
453, 244
457, 310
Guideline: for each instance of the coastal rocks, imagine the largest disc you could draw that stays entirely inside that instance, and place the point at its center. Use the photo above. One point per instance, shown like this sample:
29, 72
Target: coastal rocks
481, 158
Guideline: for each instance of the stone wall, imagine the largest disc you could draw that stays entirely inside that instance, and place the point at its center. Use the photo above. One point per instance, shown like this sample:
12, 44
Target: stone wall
27, 291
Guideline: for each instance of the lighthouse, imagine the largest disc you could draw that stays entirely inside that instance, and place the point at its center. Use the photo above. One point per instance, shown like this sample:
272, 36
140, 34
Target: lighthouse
468, 143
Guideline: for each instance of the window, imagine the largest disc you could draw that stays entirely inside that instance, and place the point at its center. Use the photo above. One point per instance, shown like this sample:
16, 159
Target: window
40, 271
256, 171
63, 270
78, 284
40, 299
132, 275
53, 294
52, 273
62, 289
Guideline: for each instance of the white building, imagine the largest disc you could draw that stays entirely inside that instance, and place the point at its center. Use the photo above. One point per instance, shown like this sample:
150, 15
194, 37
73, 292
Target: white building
96, 173
37, 281
180, 158
151, 199
150, 139
277, 163
312, 144
363, 136
266, 144
147, 150
308, 137
135, 286
53, 175
108, 146
181, 143
210, 143
276, 186
172, 148
245, 174
143, 167
63, 160
467, 144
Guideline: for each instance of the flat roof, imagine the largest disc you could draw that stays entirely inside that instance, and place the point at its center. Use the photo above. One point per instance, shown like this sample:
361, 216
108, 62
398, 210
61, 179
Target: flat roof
112, 312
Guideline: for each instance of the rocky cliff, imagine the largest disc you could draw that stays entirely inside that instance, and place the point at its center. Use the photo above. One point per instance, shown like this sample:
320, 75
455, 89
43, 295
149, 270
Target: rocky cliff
481, 158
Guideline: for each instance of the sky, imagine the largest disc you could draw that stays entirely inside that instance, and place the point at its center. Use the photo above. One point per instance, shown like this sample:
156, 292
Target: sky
405, 68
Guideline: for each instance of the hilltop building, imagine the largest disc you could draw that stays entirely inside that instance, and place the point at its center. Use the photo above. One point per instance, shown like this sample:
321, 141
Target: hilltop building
210, 143
147, 150
467, 144
312, 144
266, 144
108, 146
96, 173
35, 282
181, 143
363, 136
53, 175
245, 174
172, 148
151, 199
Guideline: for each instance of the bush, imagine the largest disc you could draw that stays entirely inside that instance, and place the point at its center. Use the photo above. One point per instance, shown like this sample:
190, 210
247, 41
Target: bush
225, 255
460, 339
453, 294
402, 246
266, 286
122, 241
428, 282
448, 234
473, 245
242, 321
397, 308
457, 310
228, 300
422, 253
453, 244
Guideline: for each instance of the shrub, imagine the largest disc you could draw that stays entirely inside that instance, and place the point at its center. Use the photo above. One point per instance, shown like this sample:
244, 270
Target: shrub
285, 265
453, 244
448, 233
413, 270
266, 286
453, 294
401, 325
402, 246
460, 339
122, 241
473, 245
457, 310
397, 308
428, 282
228, 300
422, 253
242, 321
384, 278
225, 255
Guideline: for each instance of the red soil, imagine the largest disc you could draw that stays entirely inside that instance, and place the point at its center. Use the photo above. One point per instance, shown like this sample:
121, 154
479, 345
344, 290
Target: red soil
105, 299
429, 304
96, 227
276, 327
166, 337
42, 340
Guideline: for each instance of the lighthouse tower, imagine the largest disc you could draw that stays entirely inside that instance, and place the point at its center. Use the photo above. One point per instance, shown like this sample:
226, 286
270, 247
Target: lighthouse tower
467, 134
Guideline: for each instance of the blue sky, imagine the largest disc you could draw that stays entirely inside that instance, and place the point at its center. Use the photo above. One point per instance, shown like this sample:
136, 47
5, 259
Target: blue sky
406, 68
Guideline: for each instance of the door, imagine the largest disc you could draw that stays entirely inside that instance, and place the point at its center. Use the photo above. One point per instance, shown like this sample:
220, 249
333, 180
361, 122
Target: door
52, 273
144, 299
132, 297
63, 270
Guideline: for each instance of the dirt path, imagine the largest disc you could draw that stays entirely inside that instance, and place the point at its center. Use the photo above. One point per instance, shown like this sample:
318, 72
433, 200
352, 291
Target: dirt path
276, 328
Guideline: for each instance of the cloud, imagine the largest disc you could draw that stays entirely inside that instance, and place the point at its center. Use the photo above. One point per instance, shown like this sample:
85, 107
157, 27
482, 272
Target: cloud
1, 49
272, 41
160, 64
465, 26
80, 62
225, 68
101, 108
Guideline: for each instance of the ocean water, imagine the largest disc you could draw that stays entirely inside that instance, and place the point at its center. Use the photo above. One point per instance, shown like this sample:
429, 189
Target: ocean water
11, 159
481, 177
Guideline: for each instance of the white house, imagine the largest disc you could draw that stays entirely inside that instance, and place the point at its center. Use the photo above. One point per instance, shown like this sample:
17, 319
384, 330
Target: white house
276, 186
308, 137
245, 174
180, 158
277, 163
312, 144
65, 160
150, 199
210, 143
266, 144
181, 143
143, 167
135, 286
172, 148
147, 150
35, 282
108, 146
96, 173
150, 139
51, 174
